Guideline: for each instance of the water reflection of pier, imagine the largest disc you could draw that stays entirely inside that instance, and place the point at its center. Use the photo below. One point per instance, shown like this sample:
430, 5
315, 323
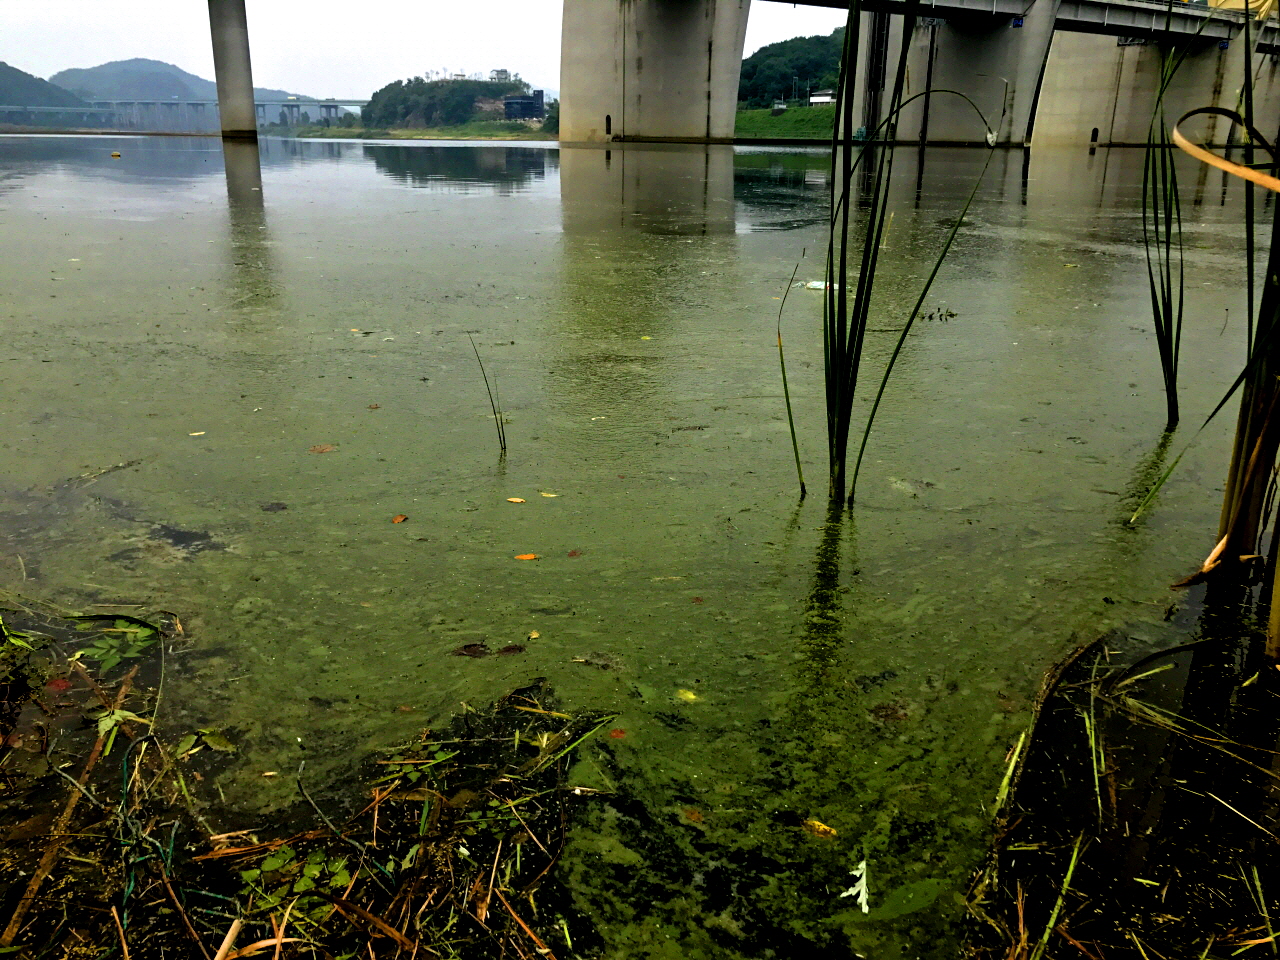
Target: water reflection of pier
649, 258
655, 188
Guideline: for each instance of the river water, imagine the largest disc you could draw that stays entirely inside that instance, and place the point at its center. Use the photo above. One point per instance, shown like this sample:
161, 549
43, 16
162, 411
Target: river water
286, 366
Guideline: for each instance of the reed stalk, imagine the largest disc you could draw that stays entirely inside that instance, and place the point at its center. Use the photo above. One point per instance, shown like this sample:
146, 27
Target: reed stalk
786, 390
494, 404
844, 315
845, 318
1162, 236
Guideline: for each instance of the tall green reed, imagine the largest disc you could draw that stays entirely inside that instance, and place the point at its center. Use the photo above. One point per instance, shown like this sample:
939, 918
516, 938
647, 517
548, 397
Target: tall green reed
845, 314
1162, 236
786, 390
494, 403
845, 318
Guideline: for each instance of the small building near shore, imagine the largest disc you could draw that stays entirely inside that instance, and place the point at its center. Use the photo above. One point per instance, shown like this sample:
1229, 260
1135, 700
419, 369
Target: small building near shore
525, 107
822, 97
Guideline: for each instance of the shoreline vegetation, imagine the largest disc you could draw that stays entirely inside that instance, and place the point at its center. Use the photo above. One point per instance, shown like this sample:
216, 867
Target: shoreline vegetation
435, 846
475, 130
798, 123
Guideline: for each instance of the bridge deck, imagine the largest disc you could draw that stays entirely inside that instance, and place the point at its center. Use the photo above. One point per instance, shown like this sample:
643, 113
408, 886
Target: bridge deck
1118, 18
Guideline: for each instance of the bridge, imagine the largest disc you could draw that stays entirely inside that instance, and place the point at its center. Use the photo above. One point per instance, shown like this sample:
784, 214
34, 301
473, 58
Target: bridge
1056, 70
668, 69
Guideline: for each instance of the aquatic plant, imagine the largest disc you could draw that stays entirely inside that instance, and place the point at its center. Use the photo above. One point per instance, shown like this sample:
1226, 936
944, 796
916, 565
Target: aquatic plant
845, 319
1140, 839
786, 390
845, 314
1162, 237
494, 403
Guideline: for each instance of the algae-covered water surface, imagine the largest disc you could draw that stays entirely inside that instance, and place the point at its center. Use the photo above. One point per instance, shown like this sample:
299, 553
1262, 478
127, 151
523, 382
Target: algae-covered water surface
258, 405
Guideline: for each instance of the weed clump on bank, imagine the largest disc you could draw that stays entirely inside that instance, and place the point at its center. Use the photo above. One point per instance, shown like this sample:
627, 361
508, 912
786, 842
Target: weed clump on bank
107, 845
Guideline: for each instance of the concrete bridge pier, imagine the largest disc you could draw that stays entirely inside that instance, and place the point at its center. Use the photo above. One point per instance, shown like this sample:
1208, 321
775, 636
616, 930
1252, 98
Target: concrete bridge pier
996, 60
232, 70
646, 69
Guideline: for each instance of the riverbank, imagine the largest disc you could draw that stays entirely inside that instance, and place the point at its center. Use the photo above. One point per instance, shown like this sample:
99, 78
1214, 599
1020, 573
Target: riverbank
478, 130
802, 123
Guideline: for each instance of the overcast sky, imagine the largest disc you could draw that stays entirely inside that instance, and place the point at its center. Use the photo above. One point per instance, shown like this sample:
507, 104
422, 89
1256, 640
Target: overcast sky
327, 48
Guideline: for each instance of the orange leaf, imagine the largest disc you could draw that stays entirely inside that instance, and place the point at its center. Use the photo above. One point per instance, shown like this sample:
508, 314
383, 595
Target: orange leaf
818, 829
515, 499
400, 518
526, 556
322, 448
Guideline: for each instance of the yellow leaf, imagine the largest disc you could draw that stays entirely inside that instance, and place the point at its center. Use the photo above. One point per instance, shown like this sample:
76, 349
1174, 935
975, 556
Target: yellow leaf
526, 556
819, 829
515, 499
534, 634
688, 695
545, 494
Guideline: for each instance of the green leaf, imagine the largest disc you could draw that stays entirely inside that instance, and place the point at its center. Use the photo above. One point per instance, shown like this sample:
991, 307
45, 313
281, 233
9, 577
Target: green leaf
277, 860
216, 741
304, 884
248, 876
185, 744
108, 720
312, 870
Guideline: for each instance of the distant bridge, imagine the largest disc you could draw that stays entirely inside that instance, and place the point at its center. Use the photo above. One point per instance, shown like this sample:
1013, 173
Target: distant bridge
178, 116
668, 69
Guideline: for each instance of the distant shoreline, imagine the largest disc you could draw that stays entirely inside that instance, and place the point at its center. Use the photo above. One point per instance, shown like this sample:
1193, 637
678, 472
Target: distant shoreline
483, 130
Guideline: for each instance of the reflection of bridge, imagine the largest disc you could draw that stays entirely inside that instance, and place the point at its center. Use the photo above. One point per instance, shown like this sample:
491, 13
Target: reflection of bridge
668, 69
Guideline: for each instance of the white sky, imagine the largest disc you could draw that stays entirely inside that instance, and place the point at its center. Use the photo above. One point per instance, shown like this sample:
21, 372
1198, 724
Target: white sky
331, 48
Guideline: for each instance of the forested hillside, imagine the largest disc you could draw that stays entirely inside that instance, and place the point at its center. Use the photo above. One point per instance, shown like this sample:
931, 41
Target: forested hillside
434, 103
142, 79
19, 89
787, 68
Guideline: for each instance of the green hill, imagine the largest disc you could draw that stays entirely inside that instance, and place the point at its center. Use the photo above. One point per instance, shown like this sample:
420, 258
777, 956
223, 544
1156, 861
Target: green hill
787, 68
435, 103
141, 79
18, 89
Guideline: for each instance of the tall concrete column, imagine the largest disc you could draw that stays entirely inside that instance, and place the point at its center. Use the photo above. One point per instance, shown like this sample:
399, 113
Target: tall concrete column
232, 70
651, 69
995, 60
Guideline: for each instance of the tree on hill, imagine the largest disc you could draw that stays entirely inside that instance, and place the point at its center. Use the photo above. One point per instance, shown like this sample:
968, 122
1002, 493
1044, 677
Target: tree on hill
142, 79
773, 72
434, 103
19, 89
